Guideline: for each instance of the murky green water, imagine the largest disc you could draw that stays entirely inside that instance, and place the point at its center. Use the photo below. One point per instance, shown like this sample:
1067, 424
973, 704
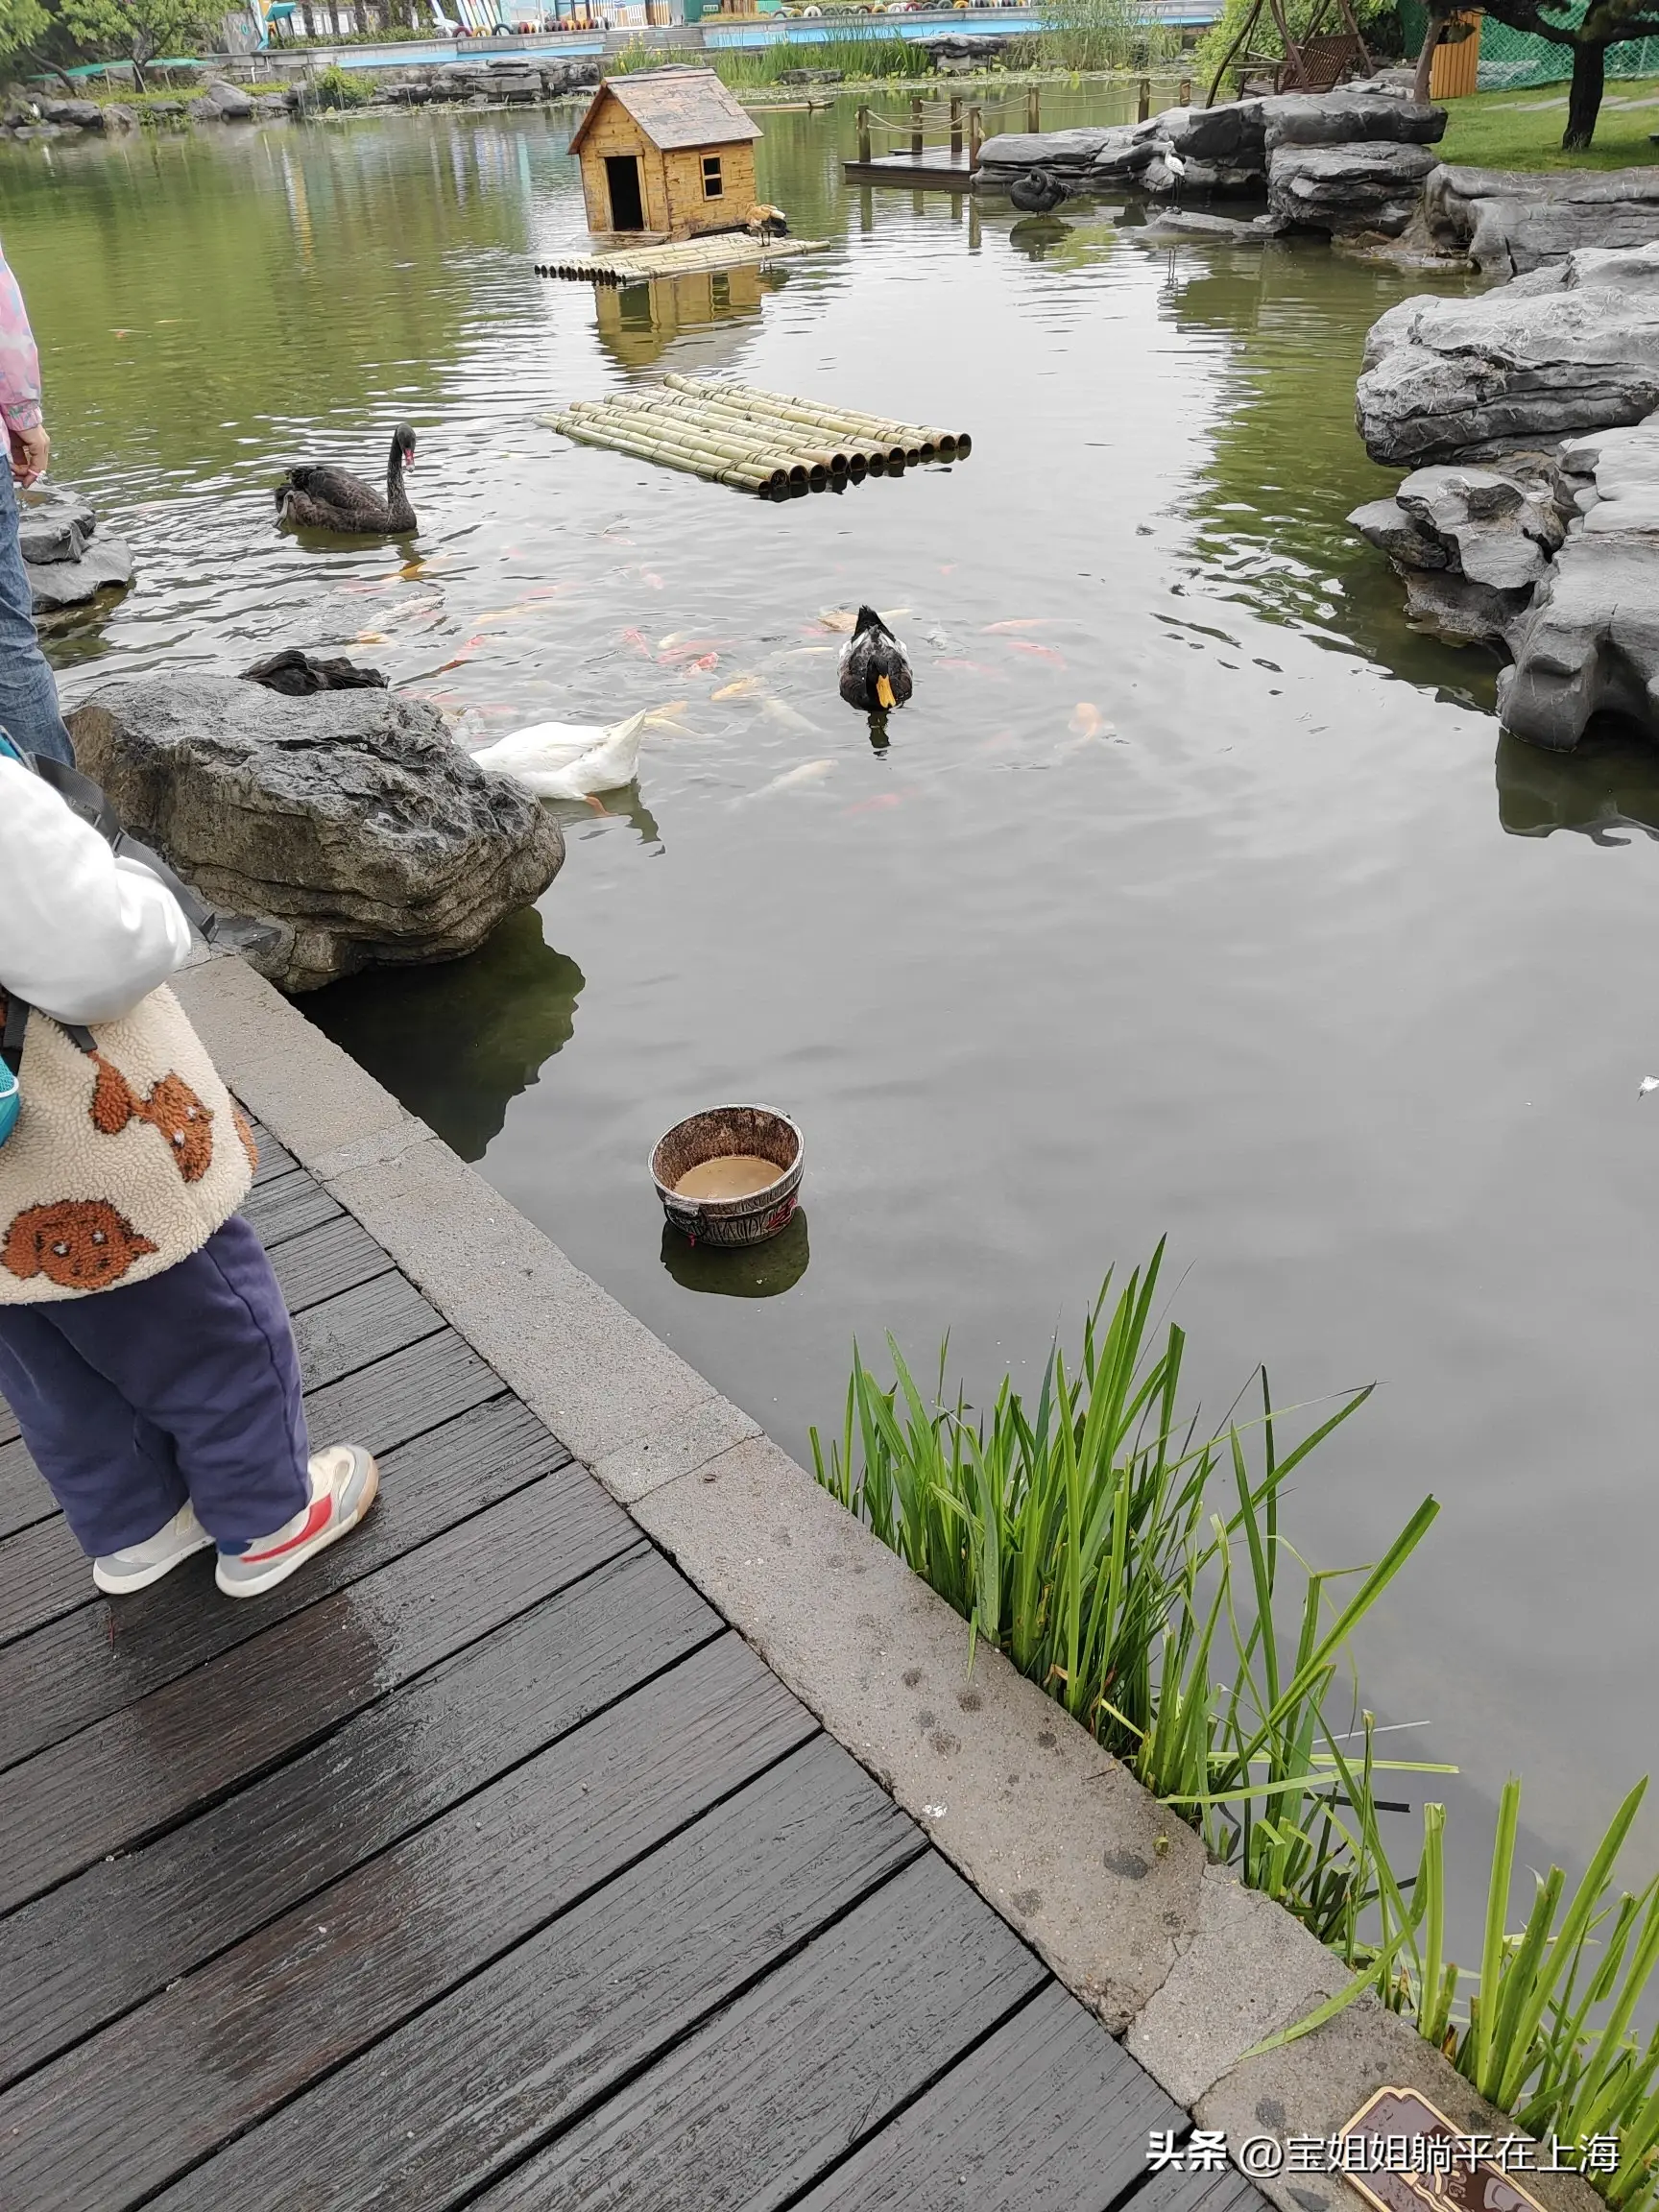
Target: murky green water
1279, 959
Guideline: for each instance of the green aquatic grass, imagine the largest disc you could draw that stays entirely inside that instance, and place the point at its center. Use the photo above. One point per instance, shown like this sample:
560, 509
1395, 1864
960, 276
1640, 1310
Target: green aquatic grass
1137, 1574
879, 57
1137, 1570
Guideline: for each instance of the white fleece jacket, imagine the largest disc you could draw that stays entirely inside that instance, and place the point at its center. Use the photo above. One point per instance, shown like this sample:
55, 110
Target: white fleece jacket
126, 1159
83, 935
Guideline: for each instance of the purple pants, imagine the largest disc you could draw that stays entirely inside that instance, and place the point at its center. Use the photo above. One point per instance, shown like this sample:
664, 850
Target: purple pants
186, 1385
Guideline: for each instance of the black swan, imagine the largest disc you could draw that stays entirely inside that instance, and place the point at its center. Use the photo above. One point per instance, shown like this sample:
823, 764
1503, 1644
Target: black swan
875, 674
1036, 193
319, 497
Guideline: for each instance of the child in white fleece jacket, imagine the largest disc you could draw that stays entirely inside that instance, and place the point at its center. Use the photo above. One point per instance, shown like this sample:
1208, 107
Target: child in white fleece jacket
145, 1348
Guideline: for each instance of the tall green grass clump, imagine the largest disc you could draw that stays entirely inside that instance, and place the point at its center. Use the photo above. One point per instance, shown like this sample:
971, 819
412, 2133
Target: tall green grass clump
879, 56
1093, 35
1137, 1574
337, 88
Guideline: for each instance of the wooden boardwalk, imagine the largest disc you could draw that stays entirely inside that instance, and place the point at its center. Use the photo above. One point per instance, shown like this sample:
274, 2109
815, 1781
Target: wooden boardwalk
482, 1864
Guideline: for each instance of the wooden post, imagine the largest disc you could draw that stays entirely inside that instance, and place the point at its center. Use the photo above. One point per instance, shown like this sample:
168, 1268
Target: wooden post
955, 127
916, 130
975, 137
1185, 97
1033, 108
1144, 108
864, 136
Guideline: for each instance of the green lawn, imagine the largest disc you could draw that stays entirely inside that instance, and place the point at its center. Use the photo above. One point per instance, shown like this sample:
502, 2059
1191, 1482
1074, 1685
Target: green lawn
1522, 130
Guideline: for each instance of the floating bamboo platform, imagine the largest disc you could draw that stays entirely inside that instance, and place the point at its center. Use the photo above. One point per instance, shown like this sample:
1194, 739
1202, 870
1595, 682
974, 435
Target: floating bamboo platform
769, 443
636, 264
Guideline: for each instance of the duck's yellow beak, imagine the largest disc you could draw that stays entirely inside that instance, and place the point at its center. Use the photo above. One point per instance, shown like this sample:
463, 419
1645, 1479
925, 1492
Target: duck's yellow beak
883, 691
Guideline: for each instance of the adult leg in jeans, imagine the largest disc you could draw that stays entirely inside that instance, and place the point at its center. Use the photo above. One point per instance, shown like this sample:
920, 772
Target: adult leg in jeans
28, 695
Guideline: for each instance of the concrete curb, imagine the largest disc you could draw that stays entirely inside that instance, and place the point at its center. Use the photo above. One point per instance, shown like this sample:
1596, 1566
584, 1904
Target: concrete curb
1115, 1893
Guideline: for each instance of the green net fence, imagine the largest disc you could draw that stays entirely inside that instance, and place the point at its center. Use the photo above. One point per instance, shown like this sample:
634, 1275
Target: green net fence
1510, 59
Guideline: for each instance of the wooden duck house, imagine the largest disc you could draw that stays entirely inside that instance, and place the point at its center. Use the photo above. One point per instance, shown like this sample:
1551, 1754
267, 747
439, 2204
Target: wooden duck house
668, 151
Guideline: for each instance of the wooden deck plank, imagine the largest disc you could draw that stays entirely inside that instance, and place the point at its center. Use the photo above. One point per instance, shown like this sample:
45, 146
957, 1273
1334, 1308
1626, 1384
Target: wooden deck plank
320, 1263
1047, 2115
24, 1499
275, 1157
108, 1654
113, 1938
489, 2073
400, 1397
756, 2103
43, 1573
122, 2115
1173, 2191
155, 1762
287, 1205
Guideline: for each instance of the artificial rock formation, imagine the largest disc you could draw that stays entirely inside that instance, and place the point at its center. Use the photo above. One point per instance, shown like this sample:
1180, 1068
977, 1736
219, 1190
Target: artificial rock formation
1510, 222
1573, 347
66, 561
1471, 544
350, 822
1338, 163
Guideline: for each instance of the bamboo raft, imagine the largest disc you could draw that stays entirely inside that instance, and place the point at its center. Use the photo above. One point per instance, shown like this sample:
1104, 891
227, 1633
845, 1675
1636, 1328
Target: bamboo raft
769, 443
636, 264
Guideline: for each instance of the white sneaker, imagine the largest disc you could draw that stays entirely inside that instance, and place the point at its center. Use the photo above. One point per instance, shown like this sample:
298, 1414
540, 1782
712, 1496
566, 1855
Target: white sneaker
344, 1481
140, 1564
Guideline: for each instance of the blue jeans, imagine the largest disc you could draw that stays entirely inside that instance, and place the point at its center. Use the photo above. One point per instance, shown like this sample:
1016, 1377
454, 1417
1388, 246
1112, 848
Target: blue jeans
184, 1385
28, 695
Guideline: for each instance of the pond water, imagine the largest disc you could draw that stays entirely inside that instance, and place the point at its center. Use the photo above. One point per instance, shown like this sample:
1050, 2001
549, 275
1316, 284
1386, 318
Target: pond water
1194, 893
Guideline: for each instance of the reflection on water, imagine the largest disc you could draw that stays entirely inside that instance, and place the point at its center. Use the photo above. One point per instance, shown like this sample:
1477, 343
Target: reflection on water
1174, 903
757, 1271
458, 1044
1610, 783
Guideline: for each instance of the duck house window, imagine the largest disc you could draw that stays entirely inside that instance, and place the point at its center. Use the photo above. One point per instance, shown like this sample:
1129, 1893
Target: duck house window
713, 186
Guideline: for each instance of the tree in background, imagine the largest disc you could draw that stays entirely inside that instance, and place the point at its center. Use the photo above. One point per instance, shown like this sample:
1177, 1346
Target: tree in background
135, 30
1600, 24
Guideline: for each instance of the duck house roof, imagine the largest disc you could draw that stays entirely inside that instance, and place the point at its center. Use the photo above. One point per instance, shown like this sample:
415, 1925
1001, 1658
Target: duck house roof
675, 107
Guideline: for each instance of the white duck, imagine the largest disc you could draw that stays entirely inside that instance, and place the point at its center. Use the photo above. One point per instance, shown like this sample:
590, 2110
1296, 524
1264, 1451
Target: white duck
571, 760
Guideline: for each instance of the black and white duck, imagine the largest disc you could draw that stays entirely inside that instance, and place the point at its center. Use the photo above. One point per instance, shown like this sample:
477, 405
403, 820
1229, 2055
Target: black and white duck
317, 496
875, 673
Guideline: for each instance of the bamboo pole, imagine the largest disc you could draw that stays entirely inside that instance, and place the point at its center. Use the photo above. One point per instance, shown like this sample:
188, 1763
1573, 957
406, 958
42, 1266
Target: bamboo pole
839, 457
744, 452
589, 433
912, 436
735, 442
889, 440
864, 134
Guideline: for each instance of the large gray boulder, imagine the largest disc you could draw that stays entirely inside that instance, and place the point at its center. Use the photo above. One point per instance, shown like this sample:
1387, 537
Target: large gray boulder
1371, 184
55, 523
350, 821
1572, 348
1613, 478
1472, 545
1510, 222
228, 102
1347, 118
1591, 643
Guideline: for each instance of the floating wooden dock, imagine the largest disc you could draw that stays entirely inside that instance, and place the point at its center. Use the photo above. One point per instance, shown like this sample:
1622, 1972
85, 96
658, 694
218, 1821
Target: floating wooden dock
772, 443
933, 171
638, 264
484, 1864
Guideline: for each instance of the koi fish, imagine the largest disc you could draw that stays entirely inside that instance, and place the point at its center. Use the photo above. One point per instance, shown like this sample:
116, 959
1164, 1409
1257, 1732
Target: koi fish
1021, 622
650, 578
702, 667
779, 711
637, 639
1086, 720
739, 688
370, 637
795, 778
1040, 651
974, 668
883, 800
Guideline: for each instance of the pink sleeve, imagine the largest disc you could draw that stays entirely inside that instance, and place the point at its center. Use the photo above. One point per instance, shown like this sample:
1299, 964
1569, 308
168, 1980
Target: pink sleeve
19, 362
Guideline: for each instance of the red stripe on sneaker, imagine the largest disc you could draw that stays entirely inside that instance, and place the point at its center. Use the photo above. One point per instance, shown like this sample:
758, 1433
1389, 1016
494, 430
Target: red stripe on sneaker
315, 1521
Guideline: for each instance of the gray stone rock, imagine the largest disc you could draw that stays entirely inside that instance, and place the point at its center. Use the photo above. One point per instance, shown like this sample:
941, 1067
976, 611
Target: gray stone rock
1386, 525
117, 117
228, 102
1443, 377
1590, 644
350, 821
1372, 184
1017, 151
55, 523
85, 114
1161, 178
1346, 118
1461, 610
1125, 155
1494, 530
1231, 135
1192, 223
105, 566
1511, 222
1615, 474
273, 106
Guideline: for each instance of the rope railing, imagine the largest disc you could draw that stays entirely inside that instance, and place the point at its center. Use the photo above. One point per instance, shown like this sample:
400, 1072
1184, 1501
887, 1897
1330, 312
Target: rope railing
963, 127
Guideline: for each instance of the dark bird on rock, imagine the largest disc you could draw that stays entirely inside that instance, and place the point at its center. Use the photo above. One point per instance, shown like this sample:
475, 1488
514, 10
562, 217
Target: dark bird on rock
297, 674
1036, 193
319, 497
875, 674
